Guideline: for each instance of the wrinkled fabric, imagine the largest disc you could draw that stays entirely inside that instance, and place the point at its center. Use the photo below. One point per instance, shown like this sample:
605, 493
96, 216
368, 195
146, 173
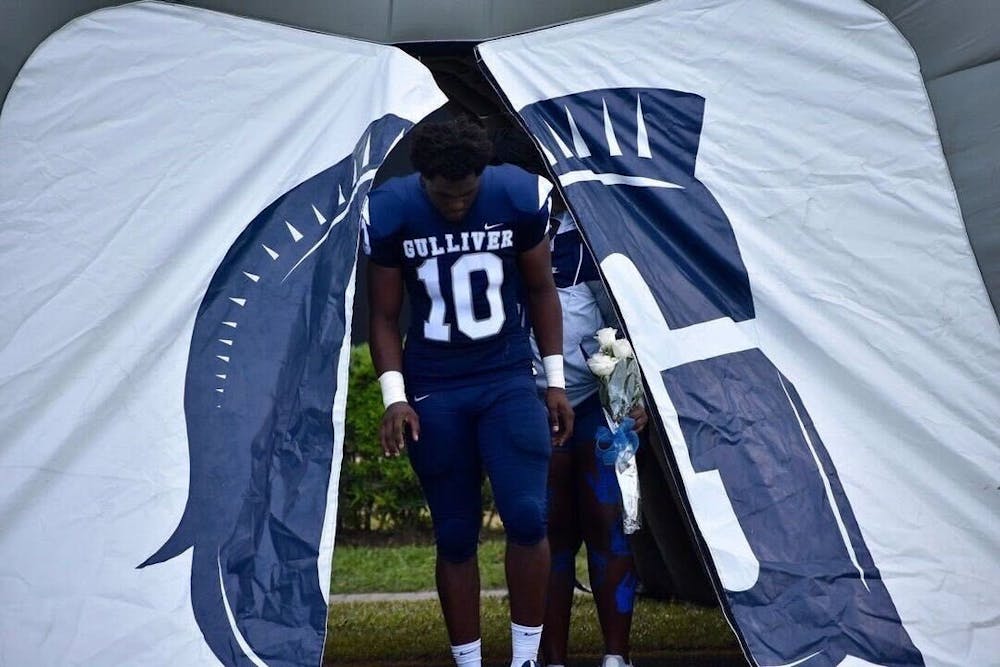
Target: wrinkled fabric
180, 195
764, 190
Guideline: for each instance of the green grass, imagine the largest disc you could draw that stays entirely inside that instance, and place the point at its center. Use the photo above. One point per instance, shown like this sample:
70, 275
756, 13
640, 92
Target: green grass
413, 632
382, 569
402, 569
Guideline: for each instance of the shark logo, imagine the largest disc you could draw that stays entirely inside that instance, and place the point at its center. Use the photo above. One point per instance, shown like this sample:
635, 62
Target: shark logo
258, 401
800, 582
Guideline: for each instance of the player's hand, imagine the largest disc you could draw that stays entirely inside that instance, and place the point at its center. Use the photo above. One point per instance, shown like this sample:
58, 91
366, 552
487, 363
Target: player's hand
638, 413
396, 419
560, 415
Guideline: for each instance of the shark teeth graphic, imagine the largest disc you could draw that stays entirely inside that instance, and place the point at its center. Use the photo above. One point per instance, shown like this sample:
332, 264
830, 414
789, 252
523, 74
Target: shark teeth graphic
274, 367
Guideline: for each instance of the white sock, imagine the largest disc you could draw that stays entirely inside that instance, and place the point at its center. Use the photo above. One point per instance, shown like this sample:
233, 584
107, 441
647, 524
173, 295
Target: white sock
524, 641
468, 655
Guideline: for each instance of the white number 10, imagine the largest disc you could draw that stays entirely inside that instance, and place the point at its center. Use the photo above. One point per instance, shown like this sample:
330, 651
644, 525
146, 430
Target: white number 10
435, 328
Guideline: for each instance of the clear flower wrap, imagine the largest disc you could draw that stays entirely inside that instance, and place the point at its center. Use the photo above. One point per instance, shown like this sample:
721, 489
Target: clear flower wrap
620, 387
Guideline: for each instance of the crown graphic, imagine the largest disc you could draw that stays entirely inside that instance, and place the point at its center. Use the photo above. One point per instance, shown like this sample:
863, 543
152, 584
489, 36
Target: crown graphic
646, 137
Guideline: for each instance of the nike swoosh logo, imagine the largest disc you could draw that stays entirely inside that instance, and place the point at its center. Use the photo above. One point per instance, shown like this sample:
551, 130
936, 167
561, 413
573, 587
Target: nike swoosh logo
495, 225
417, 399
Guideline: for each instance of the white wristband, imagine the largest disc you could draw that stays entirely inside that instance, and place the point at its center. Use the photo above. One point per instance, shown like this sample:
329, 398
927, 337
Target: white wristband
393, 389
553, 365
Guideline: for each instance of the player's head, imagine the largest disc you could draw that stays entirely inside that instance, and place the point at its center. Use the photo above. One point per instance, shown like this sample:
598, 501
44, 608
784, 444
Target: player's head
450, 157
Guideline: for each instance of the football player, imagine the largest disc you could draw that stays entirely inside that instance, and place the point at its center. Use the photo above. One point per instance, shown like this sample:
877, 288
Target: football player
468, 241
585, 504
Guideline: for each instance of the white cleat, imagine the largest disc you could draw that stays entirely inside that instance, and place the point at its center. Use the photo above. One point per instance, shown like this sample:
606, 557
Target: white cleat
615, 661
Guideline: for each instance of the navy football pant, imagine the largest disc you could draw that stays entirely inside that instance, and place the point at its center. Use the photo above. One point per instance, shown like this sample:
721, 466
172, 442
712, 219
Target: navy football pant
501, 426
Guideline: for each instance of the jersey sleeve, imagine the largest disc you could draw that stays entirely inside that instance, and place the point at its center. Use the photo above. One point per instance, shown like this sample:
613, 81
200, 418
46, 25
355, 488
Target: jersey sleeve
380, 224
532, 197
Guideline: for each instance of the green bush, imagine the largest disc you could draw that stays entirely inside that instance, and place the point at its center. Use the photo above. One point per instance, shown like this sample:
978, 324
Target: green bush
376, 493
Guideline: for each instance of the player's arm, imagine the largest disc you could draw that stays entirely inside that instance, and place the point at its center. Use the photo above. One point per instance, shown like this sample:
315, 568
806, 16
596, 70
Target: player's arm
545, 314
385, 299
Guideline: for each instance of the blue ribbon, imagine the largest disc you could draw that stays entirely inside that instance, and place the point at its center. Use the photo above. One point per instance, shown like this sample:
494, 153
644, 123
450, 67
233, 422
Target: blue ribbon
609, 444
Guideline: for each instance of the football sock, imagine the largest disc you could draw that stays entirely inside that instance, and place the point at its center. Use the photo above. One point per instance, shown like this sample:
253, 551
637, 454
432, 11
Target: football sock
468, 655
524, 641
612, 660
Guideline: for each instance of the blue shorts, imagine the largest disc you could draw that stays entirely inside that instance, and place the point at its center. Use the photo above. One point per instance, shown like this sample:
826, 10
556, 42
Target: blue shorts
501, 426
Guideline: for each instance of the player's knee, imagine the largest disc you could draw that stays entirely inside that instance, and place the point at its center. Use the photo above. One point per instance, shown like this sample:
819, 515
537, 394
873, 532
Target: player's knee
524, 521
457, 538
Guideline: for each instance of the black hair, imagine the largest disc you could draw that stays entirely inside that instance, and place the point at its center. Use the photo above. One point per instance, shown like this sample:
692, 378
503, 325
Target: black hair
454, 149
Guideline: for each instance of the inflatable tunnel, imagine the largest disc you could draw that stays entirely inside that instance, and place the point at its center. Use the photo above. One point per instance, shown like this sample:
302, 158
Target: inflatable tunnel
763, 186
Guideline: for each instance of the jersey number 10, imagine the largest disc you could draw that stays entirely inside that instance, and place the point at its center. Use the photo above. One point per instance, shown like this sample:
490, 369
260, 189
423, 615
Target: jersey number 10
436, 328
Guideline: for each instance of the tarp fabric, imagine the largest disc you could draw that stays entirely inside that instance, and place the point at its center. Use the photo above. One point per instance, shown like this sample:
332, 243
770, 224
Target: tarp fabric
180, 194
762, 184
765, 191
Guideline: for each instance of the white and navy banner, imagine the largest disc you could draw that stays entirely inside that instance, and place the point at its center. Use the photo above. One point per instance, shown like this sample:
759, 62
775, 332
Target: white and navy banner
180, 195
764, 188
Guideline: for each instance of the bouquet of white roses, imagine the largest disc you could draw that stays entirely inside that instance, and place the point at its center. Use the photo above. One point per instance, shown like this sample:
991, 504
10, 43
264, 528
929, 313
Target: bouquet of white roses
618, 374
620, 387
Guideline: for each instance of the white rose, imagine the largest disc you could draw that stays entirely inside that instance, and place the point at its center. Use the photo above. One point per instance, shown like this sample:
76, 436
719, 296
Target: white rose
606, 337
622, 349
601, 364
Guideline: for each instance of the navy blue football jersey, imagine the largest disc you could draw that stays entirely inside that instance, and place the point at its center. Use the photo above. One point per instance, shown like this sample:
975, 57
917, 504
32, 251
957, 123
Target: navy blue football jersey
575, 273
572, 262
461, 277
